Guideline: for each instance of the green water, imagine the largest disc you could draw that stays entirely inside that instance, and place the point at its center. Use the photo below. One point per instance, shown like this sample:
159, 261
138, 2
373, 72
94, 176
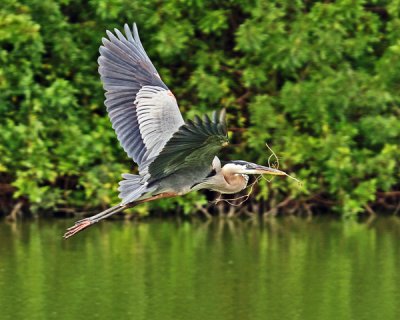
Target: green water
280, 269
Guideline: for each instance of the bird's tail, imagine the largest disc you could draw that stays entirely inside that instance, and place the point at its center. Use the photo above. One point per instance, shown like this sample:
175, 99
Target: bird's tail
87, 222
131, 188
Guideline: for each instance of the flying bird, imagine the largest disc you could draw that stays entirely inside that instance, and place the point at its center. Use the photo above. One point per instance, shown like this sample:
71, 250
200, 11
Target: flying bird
174, 157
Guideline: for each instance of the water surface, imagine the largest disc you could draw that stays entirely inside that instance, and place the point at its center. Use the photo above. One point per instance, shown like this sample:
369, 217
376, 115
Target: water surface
280, 269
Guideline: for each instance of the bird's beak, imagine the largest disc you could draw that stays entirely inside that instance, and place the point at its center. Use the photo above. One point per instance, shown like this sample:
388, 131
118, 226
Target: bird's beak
257, 169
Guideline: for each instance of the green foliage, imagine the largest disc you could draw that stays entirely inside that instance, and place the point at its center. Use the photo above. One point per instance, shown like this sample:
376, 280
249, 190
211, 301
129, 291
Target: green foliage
318, 81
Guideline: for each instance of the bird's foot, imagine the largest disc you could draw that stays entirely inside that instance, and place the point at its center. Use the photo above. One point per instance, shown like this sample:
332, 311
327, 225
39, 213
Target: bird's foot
77, 227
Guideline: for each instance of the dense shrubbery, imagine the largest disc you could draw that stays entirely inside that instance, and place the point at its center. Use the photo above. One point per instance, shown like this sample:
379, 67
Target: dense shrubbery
318, 81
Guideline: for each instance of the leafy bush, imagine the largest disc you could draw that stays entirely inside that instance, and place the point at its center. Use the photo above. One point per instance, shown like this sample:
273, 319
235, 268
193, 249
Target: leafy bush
318, 81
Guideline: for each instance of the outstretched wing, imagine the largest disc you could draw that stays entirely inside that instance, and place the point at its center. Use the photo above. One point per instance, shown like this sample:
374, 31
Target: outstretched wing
143, 112
194, 145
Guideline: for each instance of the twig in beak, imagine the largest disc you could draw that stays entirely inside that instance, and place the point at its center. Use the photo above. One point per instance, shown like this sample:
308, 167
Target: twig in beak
277, 165
295, 179
272, 155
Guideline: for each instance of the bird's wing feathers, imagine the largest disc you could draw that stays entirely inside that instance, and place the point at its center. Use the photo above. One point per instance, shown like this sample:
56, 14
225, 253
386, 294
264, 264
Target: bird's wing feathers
196, 142
157, 113
143, 112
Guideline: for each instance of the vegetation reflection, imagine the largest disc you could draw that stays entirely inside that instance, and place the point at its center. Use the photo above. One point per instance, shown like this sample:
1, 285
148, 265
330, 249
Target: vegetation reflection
283, 268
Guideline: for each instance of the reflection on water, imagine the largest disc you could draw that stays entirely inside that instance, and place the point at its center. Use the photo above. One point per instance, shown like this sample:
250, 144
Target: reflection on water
279, 269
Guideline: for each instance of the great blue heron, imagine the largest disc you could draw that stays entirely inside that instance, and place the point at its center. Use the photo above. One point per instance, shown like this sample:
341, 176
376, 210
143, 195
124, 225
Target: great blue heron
174, 157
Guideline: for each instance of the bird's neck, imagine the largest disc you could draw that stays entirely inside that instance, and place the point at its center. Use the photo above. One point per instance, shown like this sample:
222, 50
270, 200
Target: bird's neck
234, 181
223, 182
237, 180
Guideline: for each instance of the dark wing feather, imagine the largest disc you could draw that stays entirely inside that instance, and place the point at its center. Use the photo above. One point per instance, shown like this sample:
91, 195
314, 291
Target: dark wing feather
195, 144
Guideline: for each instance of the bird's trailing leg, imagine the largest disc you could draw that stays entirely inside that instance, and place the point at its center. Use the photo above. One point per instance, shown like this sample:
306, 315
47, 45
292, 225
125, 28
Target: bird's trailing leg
87, 222
84, 223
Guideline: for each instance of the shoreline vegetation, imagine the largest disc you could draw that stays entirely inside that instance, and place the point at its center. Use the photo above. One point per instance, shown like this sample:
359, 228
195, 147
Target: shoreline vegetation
317, 81
230, 209
199, 216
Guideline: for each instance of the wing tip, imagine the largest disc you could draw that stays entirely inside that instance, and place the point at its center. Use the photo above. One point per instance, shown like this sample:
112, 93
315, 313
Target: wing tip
222, 115
136, 33
109, 34
132, 35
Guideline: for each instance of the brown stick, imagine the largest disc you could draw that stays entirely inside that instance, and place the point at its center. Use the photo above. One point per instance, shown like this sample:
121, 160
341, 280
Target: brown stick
396, 211
389, 194
279, 205
14, 212
370, 210
204, 211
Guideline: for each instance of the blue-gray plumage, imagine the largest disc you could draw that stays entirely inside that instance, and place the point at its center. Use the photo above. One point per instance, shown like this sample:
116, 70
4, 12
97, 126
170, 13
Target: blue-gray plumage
174, 157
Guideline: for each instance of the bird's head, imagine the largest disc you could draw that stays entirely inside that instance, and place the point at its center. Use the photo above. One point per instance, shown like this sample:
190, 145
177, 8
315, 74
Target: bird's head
244, 167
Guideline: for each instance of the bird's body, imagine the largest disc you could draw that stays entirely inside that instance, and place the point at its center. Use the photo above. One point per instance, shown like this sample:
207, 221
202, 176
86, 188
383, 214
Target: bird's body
174, 157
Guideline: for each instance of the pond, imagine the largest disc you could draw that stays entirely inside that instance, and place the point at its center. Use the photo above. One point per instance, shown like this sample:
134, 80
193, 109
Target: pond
289, 268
